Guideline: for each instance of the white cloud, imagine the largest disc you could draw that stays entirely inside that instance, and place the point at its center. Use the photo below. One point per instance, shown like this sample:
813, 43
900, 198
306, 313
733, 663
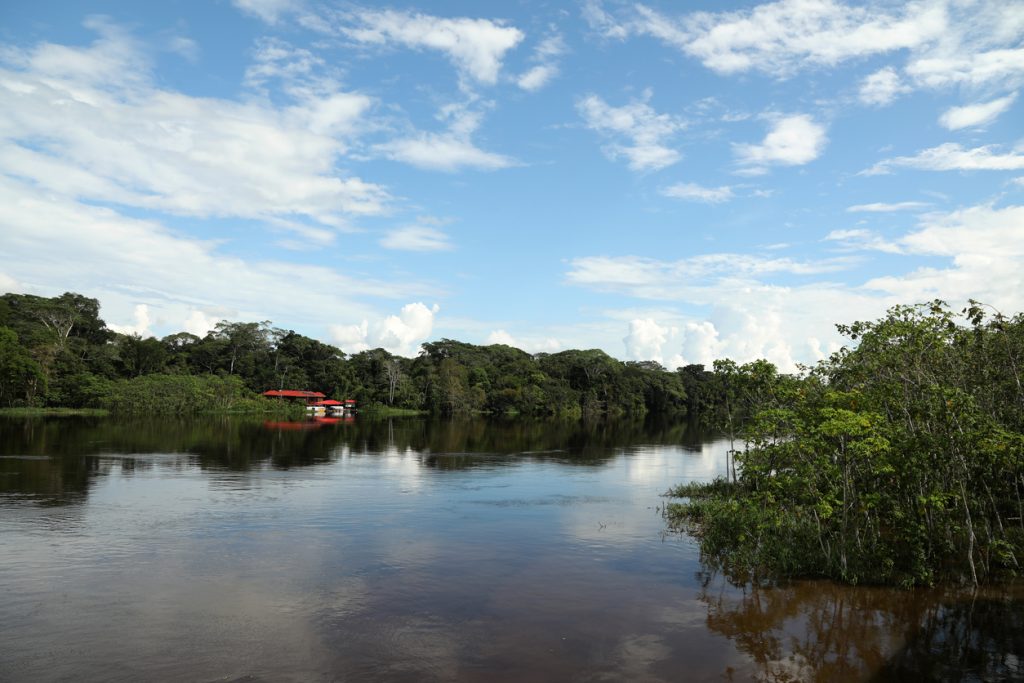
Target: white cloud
953, 157
9, 284
88, 123
416, 238
442, 152
985, 248
602, 22
475, 46
267, 10
501, 337
48, 239
185, 47
701, 344
792, 141
139, 325
882, 207
882, 87
646, 339
645, 131
537, 77
698, 193
974, 115
449, 151
274, 59
530, 345
861, 239
400, 334
546, 54
779, 38
351, 338
199, 323
659, 279
975, 253
974, 43
1000, 68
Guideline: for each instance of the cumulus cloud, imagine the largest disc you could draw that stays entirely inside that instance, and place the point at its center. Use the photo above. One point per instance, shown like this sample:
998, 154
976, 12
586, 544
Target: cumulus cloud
88, 123
638, 132
199, 323
974, 115
698, 193
701, 344
792, 141
882, 87
416, 238
646, 339
952, 156
400, 334
139, 325
475, 46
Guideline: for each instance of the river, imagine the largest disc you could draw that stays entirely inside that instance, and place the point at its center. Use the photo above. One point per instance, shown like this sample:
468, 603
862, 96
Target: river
228, 549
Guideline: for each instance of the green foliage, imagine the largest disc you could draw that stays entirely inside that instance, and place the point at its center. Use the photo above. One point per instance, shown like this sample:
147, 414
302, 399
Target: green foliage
21, 378
182, 394
899, 461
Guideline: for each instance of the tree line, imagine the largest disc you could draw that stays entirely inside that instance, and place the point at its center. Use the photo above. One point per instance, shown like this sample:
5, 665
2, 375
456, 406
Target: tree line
59, 352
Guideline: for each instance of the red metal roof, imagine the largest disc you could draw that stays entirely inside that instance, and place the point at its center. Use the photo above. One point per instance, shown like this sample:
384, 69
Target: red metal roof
291, 393
328, 402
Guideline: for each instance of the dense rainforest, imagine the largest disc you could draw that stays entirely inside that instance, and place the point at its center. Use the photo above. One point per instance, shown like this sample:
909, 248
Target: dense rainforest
59, 352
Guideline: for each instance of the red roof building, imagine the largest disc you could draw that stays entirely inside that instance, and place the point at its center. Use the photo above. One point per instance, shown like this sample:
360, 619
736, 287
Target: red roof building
291, 393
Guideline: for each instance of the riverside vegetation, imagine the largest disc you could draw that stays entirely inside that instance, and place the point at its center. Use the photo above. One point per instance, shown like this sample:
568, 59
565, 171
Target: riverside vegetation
899, 461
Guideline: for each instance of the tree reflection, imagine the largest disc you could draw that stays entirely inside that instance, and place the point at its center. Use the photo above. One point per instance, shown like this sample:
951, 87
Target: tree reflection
821, 631
54, 459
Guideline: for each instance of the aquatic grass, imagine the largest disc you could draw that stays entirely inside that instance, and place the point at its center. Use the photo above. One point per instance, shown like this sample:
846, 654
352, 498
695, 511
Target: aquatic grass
53, 412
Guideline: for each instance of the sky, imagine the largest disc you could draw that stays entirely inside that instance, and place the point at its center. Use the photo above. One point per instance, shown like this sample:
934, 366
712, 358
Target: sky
670, 181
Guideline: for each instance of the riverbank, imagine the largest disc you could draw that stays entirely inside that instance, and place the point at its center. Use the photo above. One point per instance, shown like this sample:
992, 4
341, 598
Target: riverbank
388, 411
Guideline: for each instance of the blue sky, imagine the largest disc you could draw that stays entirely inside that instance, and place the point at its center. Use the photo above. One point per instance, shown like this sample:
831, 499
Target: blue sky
666, 182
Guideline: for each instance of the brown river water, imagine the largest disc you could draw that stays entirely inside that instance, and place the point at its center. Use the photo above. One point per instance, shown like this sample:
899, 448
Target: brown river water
224, 549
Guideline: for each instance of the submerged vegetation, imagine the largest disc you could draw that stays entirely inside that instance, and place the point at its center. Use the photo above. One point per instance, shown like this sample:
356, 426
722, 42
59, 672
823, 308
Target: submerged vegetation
899, 461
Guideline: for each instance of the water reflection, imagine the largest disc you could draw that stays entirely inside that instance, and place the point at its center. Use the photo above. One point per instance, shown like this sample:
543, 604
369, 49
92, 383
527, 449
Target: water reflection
414, 550
55, 459
820, 631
